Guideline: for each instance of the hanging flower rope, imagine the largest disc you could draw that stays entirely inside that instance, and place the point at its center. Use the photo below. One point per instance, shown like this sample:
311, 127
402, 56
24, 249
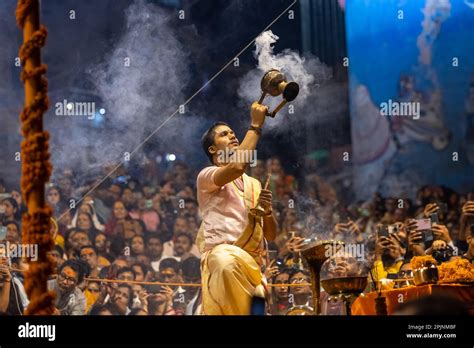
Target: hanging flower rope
36, 167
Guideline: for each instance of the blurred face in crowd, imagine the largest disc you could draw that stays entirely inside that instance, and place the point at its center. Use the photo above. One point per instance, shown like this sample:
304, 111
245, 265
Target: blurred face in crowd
470, 243
89, 255
157, 297
94, 289
137, 288
139, 275
399, 215
180, 226
281, 292
120, 212
143, 259
168, 275
390, 205
65, 185
53, 196
290, 216
126, 276
55, 257
298, 278
100, 242
137, 245
128, 197
154, 248
121, 298
10, 211
193, 226
114, 192
67, 279
66, 218
13, 235
182, 245
79, 239
275, 166
342, 266
120, 263
86, 208
191, 208
105, 311
84, 222
17, 197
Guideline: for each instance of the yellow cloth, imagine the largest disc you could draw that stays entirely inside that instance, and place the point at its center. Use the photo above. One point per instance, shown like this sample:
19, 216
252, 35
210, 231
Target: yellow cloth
103, 262
90, 299
59, 240
231, 274
380, 272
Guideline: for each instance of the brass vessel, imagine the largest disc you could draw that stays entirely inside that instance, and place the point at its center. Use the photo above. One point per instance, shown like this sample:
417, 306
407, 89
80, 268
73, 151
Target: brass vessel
275, 83
315, 254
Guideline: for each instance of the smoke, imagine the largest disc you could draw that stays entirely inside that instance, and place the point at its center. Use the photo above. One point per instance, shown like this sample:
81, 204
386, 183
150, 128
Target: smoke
308, 71
140, 82
435, 13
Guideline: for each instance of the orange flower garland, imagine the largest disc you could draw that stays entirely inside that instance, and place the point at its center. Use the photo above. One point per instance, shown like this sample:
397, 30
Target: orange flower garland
36, 168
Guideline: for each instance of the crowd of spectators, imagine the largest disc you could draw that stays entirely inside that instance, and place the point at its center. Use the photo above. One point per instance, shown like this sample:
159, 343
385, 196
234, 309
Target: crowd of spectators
114, 242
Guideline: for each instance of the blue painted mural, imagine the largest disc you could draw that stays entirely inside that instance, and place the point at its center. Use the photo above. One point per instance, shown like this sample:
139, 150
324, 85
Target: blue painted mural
411, 66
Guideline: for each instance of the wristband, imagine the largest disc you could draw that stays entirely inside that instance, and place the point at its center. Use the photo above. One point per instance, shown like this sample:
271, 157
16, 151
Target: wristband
258, 130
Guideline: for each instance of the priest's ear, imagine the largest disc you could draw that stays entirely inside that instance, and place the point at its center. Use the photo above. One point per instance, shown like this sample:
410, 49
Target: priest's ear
212, 149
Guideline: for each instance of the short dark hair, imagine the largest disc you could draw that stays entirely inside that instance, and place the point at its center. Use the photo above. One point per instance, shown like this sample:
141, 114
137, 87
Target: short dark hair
96, 309
295, 270
12, 222
208, 138
284, 270
169, 263
89, 247
142, 266
126, 269
80, 267
187, 235
191, 267
153, 235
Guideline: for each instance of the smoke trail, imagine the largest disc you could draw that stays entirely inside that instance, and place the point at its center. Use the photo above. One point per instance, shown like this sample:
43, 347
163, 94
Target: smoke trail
435, 13
307, 71
140, 82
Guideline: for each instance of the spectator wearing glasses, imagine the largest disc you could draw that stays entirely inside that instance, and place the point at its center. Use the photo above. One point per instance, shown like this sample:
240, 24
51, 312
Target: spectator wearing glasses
69, 298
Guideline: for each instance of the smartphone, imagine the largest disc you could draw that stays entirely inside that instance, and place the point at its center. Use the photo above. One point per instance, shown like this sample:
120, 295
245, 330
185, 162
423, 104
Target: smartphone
3, 232
434, 218
424, 225
272, 255
382, 231
428, 236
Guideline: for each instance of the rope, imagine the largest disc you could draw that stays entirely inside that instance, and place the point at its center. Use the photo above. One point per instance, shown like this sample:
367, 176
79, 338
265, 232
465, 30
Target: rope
175, 284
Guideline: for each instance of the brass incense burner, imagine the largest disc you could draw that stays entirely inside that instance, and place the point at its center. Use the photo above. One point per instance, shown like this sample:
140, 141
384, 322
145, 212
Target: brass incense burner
316, 253
274, 83
346, 289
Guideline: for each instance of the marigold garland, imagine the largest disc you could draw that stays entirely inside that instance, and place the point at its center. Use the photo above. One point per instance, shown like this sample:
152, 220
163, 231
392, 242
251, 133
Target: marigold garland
36, 167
